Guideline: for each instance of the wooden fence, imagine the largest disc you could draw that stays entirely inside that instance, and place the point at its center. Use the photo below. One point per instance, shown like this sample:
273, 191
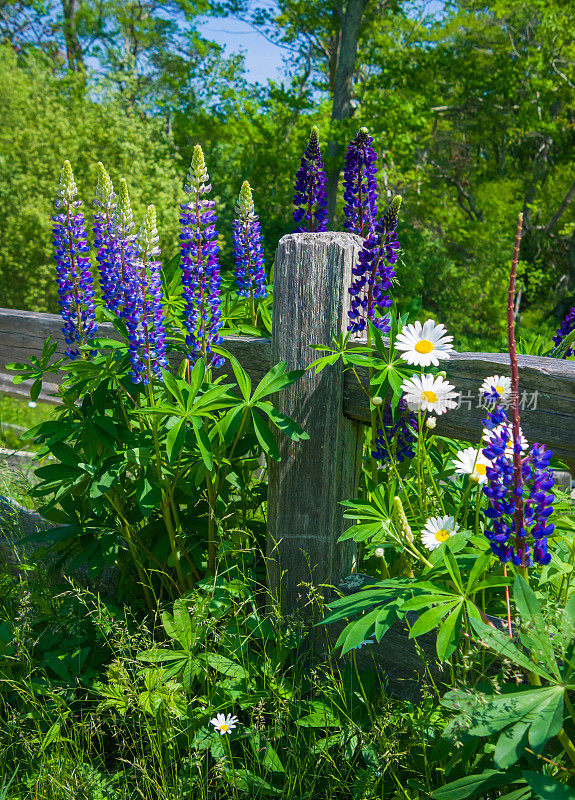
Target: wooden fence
312, 273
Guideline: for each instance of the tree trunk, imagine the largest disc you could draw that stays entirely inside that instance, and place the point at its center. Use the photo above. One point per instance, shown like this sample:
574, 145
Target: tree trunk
350, 16
73, 47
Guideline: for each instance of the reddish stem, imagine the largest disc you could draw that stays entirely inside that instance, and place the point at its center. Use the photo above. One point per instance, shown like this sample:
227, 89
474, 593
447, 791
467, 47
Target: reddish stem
517, 470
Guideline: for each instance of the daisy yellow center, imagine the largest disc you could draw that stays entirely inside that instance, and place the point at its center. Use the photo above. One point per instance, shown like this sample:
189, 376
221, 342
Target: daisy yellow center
430, 396
224, 726
442, 535
480, 469
424, 346
499, 389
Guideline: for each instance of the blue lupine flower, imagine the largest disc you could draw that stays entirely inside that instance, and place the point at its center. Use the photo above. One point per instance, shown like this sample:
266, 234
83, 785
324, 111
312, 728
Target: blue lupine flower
107, 249
399, 436
360, 185
374, 272
200, 266
310, 199
537, 481
74, 276
143, 311
248, 249
566, 327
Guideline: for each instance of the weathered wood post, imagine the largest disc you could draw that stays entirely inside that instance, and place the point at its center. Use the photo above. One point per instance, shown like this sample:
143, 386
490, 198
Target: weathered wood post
311, 277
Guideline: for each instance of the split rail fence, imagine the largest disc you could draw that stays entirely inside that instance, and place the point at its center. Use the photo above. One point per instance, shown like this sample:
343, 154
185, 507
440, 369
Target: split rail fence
305, 519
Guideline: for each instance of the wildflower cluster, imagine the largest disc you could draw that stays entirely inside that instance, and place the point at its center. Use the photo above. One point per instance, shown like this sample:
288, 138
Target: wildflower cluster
200, 265
360, 185
105, 241
310, 199
248, 250
521, 511
374, 272
566, 328
74, 277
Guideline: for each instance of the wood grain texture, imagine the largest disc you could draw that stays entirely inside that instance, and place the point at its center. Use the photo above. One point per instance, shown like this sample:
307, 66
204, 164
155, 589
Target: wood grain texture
305, 519
22, 334
551, 422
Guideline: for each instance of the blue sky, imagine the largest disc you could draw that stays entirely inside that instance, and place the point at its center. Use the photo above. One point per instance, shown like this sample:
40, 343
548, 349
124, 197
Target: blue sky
263, 59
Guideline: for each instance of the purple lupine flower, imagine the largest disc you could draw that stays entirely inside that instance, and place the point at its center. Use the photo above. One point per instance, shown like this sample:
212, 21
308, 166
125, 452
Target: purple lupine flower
107, 253
566, 327
74, 276
398, 437
360, 194
504, 499
248, 249
373, 273
143, 311
310, 199
200, 265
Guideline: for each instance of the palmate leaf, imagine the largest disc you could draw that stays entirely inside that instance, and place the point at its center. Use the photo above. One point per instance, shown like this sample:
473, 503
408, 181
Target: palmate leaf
265, 437
448, 634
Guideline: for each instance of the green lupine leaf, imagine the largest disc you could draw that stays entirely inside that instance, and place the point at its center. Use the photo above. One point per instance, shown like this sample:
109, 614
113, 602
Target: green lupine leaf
431, 619
265, 437
275, 380
503, 645
448, 635
175, 440
474, 785
547, 788
511, 745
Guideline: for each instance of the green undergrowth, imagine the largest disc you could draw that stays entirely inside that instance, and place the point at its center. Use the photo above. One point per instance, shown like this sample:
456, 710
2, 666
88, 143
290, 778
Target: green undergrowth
98, 702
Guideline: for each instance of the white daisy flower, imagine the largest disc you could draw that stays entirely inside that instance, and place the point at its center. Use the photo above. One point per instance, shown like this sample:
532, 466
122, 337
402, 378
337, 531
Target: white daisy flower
488, 437
224, 724
423, 345
472, 462
429, 393
502, 386
438, 530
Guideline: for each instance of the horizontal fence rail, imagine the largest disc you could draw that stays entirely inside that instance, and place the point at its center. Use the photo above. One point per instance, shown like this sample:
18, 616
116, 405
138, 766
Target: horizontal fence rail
547, 386
305, 518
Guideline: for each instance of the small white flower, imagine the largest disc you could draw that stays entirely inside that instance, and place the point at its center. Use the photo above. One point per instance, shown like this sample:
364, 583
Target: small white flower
32, 404
488, 437
430, 423
423, 345
438, 530
224, 724
472, 462
502, 386
428, 393
380, 552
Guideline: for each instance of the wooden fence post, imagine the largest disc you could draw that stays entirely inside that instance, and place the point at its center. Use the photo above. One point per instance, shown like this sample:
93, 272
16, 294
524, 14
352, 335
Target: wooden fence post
311, 276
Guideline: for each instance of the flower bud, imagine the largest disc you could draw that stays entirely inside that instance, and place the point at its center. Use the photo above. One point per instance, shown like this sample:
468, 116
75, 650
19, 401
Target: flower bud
430, 423
400, 520
379, 552
377, 400
442, 374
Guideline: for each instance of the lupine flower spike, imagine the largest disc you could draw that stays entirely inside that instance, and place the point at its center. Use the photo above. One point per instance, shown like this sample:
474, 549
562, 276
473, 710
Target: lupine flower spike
360, 185
200, 265
373, 273
566, 328
248, 250
107, 250
310, 199
126, 248
145, 322
74, 277
518, 487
